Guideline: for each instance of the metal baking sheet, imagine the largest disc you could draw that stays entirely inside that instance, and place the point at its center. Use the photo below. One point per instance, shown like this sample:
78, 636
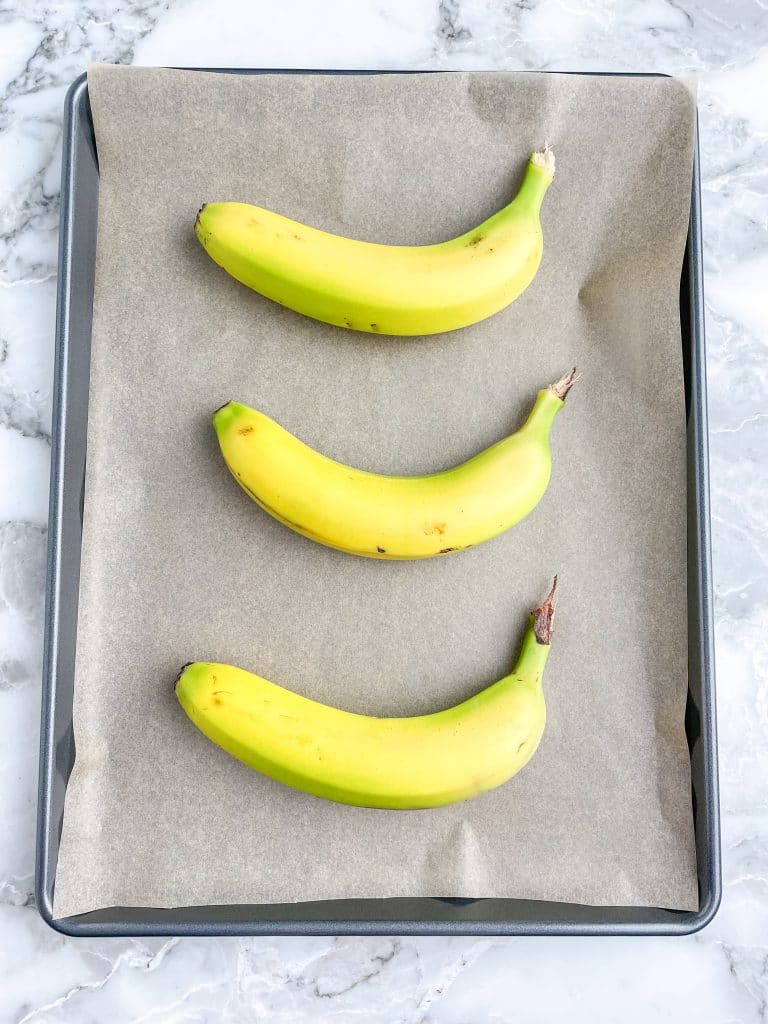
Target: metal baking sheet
424, 916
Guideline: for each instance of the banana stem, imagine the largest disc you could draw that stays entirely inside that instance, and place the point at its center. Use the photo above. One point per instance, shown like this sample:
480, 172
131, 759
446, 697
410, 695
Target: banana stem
538, 177
549, 402
545, 159
543, 617
561, 387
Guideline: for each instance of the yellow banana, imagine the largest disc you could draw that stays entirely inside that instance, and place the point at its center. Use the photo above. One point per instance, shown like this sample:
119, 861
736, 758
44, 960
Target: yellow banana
384, 289
399, 763
390, 516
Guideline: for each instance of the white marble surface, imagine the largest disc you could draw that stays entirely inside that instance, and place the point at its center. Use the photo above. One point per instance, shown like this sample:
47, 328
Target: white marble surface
719, 975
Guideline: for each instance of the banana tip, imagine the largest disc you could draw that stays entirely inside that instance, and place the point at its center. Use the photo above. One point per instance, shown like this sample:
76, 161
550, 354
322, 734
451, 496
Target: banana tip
198, 226
221, 416
182, 670
545, 158
544, 616
561, 387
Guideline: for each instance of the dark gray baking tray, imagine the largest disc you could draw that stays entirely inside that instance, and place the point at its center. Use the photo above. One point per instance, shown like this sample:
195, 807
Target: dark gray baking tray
423, 916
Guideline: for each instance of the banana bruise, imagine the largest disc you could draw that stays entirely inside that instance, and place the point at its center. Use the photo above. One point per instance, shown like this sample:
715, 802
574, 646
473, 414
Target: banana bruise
384, 289
391, 517
396, 763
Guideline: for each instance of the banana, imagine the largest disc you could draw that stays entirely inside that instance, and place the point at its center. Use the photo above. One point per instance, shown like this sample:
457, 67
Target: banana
384, 289
390, 516
396, 763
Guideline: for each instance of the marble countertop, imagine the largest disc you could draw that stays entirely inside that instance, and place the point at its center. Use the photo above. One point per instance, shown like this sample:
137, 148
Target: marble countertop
719, 975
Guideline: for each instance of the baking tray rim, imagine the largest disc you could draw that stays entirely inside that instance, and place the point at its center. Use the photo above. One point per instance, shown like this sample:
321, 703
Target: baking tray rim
158, 921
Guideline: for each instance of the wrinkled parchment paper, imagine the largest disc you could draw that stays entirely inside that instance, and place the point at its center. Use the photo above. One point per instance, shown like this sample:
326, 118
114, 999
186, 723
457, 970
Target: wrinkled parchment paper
179, 565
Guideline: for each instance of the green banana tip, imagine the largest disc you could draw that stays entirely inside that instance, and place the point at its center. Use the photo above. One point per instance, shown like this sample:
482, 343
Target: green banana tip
223, 414
544, 616
200, 231
182, 670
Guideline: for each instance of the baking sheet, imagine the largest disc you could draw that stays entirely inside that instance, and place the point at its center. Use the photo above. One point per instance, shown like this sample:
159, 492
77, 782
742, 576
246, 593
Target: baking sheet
178, 564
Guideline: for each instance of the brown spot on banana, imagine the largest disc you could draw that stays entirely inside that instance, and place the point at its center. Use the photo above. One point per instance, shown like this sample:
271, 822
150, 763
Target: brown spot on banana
438, 528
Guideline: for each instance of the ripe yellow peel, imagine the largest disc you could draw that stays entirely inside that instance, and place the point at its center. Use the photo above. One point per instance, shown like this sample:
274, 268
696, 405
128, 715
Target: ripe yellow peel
383, 289
397, 763
395, 517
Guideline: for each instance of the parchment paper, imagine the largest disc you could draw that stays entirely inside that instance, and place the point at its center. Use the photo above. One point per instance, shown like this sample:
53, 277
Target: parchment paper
179, 565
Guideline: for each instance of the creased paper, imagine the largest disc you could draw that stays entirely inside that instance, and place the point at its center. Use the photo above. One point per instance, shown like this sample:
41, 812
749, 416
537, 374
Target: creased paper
179, 565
